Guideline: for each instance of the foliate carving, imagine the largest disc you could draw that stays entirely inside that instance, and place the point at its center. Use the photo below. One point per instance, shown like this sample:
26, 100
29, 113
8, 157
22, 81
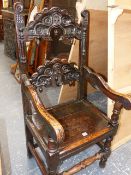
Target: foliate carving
52, 23
18, 7
55, 72
19, 20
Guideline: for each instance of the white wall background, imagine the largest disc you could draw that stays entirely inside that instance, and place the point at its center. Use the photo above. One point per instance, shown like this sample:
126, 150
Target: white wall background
95, 4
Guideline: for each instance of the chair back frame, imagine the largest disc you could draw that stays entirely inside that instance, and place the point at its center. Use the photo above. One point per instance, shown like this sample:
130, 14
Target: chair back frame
53, 24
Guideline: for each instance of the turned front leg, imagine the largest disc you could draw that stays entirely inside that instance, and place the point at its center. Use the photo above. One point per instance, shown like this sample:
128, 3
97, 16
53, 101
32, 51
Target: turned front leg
53, 157
107, 145
116, 112
107, 151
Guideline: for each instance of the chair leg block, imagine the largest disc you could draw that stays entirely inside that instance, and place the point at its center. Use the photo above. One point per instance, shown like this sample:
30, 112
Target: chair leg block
53, 160
102, 162
29, 154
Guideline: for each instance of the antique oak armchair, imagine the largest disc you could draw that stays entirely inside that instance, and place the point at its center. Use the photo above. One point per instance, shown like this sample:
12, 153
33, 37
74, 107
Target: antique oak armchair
66, 129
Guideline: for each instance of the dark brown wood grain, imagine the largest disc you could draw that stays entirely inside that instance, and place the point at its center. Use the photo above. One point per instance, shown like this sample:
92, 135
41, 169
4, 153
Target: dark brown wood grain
56, 129
98, 82
38, 160
64, 130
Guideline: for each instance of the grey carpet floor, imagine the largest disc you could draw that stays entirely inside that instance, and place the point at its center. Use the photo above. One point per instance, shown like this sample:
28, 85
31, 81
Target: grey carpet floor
12, 135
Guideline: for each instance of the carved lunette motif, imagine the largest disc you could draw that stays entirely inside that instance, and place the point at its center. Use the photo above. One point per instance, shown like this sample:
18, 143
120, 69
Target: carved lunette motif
52, 23
56, 72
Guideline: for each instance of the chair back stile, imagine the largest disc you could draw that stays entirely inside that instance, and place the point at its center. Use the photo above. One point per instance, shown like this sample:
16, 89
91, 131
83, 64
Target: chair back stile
83, 51
20, 26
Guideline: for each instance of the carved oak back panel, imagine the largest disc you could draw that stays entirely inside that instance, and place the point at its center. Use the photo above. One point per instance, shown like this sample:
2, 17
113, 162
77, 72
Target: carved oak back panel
52, 24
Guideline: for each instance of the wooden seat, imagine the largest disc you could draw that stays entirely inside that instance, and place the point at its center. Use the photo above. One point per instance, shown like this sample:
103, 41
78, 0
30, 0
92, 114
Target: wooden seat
65, 129
79, 119
88, 123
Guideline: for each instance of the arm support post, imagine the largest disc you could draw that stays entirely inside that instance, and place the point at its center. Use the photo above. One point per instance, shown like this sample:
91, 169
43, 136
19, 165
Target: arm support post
55, 130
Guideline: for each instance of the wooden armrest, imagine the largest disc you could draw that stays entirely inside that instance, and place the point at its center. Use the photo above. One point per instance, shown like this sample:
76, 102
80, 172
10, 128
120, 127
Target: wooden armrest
55, 129
98, 82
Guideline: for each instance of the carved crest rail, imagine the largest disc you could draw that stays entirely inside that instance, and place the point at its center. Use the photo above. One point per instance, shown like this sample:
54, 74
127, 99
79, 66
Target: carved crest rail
56, 72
